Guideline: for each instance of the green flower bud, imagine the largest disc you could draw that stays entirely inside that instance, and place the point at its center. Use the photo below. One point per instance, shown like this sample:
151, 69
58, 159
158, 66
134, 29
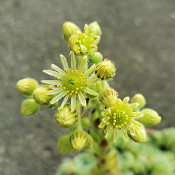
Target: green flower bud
94, 57
108, 97
140, 99
65, 117
150, 117
89, 143
85, 122
137, 132
69, 29
64, 145
95, 28
29, 107
27, 86
78, 139
41, 95
105, 70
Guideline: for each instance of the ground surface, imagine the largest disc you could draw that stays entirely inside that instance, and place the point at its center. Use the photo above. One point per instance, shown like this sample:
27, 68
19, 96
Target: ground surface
139, 36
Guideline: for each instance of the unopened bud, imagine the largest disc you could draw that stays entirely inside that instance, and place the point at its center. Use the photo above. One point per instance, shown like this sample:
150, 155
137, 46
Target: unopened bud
69, 29
89, 143
78, 139
94, 57
140, 99
137, 132
29, 107
108, 97
27, 86
150, 117
64, 145
105, 70
95, 28
65, 117
41, 95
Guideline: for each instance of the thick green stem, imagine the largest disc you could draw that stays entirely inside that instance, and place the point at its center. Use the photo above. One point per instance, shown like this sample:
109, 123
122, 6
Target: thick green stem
106, 155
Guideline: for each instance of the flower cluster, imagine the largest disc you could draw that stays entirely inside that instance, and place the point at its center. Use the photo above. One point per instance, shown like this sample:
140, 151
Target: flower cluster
84, 85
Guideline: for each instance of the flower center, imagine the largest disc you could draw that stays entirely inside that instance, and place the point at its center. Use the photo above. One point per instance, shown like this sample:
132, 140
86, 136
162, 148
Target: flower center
119, 117
72, 82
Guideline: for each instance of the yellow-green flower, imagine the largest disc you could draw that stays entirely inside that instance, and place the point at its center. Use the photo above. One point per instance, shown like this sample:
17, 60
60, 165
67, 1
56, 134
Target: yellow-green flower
71, 82
120, 117
82, 43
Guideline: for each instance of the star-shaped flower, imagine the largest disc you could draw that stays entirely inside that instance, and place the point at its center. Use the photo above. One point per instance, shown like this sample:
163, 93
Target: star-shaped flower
121, 117
71, 82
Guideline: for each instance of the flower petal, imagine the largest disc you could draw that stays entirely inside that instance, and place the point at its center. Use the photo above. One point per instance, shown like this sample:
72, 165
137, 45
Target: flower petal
53, 66
73, 61
83, 64
89, 71
96, 41
134, 105
51, 82
64, 101
57, 98
52, 73
86, 29
125, 135
92, 79
54, 91
102, 125
115, 135
64, 62
73, 102
90, 91
82, 99
126, 100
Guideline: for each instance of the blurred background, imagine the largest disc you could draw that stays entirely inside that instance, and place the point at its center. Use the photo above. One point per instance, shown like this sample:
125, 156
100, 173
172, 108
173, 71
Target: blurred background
138, 36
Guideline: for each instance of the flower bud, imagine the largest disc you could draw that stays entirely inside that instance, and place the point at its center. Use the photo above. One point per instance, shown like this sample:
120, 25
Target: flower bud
65, 117
105, 70
95, 28
72, 44
40, 95
69, 29
27, 86
150, 117
108, 97
140, 99
29, 107
89, 143
78, 139
137, 132
64, 145
94, 57
85, 122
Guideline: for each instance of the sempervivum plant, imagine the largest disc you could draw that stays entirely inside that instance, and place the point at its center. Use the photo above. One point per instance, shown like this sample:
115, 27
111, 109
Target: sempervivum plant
91, 110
